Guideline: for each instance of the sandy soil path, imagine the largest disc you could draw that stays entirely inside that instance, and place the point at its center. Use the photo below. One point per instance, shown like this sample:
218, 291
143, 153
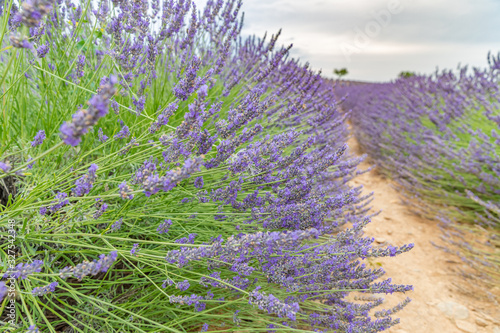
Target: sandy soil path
440, 302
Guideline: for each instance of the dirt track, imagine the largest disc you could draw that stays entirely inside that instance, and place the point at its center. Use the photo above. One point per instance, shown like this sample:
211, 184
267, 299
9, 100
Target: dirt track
441, 300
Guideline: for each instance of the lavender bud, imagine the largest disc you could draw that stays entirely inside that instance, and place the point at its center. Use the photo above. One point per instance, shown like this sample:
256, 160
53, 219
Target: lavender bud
40, 291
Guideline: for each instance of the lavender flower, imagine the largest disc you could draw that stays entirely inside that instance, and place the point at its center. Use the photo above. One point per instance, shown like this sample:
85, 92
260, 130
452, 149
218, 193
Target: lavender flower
163, 227
32, 329
123, 133
89, 268
204, 328
33, 11
23, 270
135, 249
101, 208
3, 290
115, 107
60, 202
5, 167
198, 182
80, 64
273, 305
183, 286
42, 50
85, 183
153, 183
19, 41
102, 137
38, 139
40, 291
139, 104
125, 190
30, 165
117, 225
72, 132
167, 282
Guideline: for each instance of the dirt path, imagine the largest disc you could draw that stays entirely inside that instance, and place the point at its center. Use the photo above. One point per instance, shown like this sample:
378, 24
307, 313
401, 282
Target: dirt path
439, 302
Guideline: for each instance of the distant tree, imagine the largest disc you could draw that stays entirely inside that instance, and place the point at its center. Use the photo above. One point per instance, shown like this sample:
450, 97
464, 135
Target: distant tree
406, 74
340, 72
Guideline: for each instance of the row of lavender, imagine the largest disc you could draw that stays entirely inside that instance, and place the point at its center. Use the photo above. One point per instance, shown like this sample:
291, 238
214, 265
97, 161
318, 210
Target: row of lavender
439, 137
170, 176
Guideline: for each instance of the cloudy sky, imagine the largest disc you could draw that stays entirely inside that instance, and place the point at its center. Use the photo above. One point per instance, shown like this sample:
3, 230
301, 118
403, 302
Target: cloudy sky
377, 39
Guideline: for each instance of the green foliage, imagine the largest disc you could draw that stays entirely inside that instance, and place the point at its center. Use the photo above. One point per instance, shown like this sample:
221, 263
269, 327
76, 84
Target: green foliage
340, 72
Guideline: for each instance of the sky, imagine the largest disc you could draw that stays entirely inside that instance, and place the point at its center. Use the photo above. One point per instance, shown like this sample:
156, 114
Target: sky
377, 39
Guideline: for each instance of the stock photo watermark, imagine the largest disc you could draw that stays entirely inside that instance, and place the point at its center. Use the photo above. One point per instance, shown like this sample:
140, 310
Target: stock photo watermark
363, 36
10, 282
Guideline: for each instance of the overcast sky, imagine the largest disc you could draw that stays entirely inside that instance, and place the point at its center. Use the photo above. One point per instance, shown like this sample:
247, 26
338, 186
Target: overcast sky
377, 39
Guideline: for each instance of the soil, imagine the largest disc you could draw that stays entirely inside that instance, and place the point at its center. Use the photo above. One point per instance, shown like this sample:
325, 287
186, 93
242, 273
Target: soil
443, 300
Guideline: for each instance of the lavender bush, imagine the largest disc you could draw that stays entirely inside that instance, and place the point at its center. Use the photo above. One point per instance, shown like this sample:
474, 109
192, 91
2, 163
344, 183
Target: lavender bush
439, 137
186, 179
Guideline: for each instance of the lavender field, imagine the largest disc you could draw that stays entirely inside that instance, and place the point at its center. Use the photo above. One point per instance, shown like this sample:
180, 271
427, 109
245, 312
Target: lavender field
160, 171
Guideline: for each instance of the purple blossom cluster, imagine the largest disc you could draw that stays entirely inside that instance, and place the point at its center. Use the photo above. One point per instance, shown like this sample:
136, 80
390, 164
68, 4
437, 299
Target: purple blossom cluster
3, 290
124, 191
72, 132
38, 139
164, 226
24, 270
273, 305
149, 179
40, 291
84, 184
32, 11
89, 268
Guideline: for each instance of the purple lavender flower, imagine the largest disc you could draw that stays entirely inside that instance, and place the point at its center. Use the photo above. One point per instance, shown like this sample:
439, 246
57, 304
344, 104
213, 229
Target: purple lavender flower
43, 210
101, 208
203, 91
84, 184
152, 183
125, 190
5, 167
3, 290
204, 328
198, 182
139, 104
80, 64
168, 282
236, 319
194, 299
124, 133
115, 107
273, 304
40, 291
42, 50
89, 268
183, 286
23, 270
61, 202
102, 137
135, 249
19, 41
72, 132
38, 139
32, 11
117, 225
32, 329
30, 165
163, 227
186, 86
